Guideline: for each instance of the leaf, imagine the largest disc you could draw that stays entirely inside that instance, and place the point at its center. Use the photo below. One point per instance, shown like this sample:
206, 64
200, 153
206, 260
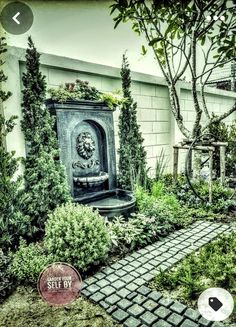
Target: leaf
203, 40
114, 7
144, 50
118, 20
136, 28
155, 40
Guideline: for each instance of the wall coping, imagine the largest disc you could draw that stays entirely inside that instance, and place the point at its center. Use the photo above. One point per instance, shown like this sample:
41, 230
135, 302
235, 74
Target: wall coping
66, 63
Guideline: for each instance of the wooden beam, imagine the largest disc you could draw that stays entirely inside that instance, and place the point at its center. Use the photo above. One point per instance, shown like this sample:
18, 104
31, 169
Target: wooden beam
222, 164
210, 174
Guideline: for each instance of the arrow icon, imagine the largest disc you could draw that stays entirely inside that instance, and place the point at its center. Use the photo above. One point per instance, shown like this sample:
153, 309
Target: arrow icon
15, 18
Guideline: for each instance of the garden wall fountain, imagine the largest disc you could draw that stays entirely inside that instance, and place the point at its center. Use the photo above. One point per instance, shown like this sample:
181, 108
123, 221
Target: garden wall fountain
85, 131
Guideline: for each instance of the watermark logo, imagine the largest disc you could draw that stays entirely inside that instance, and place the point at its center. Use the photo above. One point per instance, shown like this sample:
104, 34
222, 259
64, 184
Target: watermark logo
59, 284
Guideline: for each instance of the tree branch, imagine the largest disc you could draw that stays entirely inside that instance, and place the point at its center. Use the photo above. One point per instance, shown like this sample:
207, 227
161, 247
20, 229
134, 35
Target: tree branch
196, 126
221, 117
174, 101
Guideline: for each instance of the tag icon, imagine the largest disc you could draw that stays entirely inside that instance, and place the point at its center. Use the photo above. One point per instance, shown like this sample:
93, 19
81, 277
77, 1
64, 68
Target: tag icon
215, 303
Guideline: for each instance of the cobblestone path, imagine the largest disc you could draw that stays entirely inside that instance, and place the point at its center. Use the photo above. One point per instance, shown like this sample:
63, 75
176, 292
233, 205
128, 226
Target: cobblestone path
121, 288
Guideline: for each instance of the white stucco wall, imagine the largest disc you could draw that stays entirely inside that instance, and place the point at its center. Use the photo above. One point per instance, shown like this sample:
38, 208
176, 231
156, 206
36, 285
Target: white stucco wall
84, 29
154, 115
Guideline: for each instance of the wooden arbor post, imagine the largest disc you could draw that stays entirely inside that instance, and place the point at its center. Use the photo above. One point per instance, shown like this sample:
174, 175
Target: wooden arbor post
222, 146
176, 162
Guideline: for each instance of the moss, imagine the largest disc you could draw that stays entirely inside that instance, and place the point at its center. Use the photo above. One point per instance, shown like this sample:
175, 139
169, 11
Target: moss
26, 308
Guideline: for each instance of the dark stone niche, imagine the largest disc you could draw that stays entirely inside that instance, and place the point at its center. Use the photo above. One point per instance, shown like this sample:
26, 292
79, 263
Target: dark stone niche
85, 131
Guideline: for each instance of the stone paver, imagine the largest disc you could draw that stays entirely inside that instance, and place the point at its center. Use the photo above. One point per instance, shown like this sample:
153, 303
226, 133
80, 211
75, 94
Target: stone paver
162, 312
136, 310
188, 323
121, 289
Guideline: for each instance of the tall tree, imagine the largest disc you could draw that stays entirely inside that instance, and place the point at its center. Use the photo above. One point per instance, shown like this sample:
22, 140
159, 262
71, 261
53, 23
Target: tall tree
176, 30
12, 223
132, 155
45, 181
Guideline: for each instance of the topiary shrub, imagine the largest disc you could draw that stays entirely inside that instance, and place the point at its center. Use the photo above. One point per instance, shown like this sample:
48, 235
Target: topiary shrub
78, 235
132, 154
7, 282
29, 261
12, 223
45, 181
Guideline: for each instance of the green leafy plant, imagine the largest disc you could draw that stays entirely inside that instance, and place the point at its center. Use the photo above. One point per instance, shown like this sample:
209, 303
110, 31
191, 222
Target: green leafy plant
81, 90
140, 230
224, 200
112, 100
132, 154
193, 214
7, 281
162, 201
161, 164
123, 233
138, 178
223, 197
44, 176
78, 235
211, 266
224, 133
136, 233
63, 94
158, 213
165, 207
29, 261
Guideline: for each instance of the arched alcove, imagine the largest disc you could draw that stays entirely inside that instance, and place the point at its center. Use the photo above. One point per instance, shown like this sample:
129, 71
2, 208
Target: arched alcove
85, 132
89, 157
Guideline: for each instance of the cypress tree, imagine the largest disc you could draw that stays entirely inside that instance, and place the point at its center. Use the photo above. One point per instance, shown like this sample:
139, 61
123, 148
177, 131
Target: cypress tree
45, 181
132, 155
12, 223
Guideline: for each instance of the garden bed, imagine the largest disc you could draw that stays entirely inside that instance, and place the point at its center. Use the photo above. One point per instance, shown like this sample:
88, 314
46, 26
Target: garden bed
212, 266
26, 308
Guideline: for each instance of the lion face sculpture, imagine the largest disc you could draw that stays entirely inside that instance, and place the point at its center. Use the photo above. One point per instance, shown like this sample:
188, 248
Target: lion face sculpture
85, 145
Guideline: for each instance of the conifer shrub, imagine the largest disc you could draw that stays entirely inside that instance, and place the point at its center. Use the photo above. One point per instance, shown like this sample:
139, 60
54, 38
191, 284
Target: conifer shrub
44, 176
13, 223
7, 281
78, 235
132, 155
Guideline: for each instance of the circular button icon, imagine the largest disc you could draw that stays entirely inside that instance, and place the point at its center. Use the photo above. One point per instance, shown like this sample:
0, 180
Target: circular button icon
215, 304
59, 284
16, 18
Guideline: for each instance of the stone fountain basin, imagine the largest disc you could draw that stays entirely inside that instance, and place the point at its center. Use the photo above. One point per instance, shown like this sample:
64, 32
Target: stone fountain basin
92, 180
111, 203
